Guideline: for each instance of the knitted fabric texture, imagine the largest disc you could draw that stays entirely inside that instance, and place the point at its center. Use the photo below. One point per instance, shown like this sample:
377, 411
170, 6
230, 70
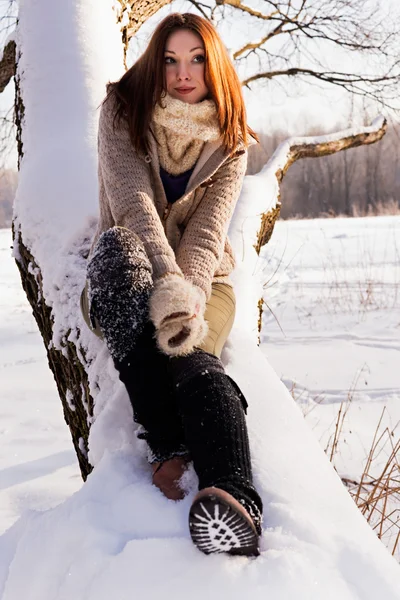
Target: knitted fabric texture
177, 335
212, 408
120, 284
145, 375
173, 294
131, 195
181, 129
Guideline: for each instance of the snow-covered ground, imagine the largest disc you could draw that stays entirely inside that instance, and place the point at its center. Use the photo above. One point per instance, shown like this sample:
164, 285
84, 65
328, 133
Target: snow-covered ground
116, 536
332, 286
332, 333
38, 467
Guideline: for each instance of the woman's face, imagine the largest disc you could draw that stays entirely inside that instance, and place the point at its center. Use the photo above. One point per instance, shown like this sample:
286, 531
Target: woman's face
184, 59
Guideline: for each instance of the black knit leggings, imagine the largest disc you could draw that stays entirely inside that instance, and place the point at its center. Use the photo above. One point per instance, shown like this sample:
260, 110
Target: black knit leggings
189, 405
185, 404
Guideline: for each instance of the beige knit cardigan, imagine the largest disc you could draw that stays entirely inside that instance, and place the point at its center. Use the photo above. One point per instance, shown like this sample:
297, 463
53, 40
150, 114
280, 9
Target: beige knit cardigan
188, 237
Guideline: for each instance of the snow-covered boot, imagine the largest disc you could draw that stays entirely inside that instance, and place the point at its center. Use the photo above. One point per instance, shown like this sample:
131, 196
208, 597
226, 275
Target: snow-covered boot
219, 523
120, 282
167, 476
213, 416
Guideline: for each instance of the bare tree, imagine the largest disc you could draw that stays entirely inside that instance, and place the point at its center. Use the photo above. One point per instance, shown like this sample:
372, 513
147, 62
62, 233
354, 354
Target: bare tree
352, 44
294, 149
68, 362
340, 184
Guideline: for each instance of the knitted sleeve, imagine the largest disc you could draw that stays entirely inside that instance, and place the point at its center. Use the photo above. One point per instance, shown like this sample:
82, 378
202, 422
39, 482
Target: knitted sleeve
202, 244
128, 191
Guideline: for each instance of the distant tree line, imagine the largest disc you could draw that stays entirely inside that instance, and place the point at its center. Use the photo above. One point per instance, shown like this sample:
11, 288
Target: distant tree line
357, 182
8, 185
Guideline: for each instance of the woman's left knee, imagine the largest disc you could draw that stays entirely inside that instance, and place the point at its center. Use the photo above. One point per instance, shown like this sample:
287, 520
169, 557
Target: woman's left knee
220, 316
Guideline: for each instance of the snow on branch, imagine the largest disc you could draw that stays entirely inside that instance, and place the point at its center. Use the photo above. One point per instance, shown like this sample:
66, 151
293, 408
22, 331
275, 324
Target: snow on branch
296, 148
259, 207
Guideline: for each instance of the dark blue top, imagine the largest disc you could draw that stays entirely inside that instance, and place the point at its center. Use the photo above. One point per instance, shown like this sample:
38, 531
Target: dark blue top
175, 185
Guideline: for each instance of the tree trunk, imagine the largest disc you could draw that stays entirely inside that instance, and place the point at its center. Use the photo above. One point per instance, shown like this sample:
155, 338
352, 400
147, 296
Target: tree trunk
133, 14
67, 363
69, 371
67, 359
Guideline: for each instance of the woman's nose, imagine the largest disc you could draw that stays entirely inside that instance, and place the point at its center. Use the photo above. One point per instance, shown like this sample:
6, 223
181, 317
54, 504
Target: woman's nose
183, 72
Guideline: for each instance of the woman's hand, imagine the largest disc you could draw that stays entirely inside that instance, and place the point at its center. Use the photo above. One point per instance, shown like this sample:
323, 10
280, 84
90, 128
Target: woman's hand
177, 311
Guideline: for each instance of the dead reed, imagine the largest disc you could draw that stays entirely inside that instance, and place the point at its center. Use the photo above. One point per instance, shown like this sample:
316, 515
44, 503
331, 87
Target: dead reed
377, 494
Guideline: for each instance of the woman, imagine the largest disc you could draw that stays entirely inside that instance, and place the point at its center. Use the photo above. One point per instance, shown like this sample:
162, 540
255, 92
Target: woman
172, 156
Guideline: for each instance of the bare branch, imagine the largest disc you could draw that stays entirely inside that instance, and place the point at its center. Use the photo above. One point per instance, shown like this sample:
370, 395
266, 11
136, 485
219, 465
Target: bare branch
200, 8
7, 65
330, 77
273, 33
254, 13
133, 14
297, 39
376, 88
250, 46
296, 148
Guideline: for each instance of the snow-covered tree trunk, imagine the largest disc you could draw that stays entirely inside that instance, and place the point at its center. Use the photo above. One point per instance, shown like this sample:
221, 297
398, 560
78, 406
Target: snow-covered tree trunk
65, 55
317, 545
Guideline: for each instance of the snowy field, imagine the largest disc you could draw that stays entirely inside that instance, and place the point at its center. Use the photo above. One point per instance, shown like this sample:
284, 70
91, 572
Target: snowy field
37, 461
331, 332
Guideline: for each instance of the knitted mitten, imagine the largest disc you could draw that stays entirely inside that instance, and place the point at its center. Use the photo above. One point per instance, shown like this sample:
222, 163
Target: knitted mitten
177, 311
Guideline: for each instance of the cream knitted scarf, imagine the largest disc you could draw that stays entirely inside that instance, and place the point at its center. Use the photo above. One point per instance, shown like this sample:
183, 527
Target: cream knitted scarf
181, 129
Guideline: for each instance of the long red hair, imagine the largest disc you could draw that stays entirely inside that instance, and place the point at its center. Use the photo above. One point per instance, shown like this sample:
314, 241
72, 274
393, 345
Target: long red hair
143, 85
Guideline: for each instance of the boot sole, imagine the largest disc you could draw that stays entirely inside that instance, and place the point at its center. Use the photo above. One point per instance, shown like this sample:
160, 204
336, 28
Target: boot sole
218, 523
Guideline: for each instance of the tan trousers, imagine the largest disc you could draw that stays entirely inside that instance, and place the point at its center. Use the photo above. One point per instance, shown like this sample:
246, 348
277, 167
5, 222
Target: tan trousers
220, 315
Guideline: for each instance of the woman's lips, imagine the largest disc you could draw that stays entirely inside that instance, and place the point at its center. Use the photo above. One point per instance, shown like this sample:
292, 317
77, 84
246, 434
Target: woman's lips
184, 91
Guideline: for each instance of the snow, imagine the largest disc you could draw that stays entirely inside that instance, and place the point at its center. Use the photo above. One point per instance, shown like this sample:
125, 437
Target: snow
332, 332
117, 528
37, 461
63, 84
116, 535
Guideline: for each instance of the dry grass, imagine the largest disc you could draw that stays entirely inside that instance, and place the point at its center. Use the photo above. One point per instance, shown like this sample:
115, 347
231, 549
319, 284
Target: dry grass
302, 398
347, 285
363, 286
333, 441
391, 207
354, 282
377, 494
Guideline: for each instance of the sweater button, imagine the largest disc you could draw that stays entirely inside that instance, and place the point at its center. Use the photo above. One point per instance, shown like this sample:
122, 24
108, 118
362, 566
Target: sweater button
147, 158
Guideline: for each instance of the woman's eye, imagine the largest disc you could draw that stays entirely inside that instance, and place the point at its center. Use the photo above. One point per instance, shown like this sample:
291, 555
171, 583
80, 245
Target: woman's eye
198, 59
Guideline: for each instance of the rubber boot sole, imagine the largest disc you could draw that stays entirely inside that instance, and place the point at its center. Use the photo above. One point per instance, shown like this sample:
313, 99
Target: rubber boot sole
219, 523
